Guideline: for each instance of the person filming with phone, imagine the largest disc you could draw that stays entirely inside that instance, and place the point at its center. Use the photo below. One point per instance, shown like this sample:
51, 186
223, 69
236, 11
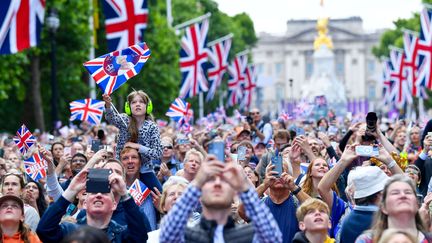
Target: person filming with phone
99, 204
261, 131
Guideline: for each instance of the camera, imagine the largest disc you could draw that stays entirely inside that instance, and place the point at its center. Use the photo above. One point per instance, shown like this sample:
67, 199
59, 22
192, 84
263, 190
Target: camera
249, 120
371, 126
97, 181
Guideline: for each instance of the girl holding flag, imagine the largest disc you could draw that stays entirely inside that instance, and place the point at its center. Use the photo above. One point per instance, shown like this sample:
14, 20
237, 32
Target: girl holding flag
139, 131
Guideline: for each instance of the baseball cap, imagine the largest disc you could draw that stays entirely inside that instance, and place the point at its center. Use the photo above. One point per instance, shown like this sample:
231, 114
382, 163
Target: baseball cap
367, 180
13, 198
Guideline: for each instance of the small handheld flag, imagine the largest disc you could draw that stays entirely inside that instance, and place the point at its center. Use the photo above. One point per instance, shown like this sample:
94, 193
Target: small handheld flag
87, 110
179, 111
139, 191
24, 139
36, 167
112, 70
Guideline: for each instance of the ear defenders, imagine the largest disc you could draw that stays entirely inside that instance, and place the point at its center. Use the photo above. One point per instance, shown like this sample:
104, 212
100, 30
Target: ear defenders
149, 108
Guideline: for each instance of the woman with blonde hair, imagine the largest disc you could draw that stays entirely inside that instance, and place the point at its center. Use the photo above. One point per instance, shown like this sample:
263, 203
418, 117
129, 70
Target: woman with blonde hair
399, 210
396, 236
138, 131
315, 172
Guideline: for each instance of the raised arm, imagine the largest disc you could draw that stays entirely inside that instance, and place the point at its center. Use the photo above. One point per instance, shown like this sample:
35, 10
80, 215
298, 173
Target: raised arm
330, 178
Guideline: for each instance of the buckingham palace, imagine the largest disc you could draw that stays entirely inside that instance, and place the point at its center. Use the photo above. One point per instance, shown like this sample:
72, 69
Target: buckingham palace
285, 63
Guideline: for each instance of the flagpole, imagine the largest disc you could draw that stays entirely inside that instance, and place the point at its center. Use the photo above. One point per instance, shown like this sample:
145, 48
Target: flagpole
91, 83
116, 111
192, 21
169, 13
201, 104
229, 36
245, 52
410, 32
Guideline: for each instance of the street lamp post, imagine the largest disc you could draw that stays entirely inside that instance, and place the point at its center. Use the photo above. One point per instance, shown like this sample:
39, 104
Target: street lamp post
291, 89
53, 23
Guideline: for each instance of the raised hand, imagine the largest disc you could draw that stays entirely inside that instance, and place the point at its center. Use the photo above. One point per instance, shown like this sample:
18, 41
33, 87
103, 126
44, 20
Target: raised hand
208, 169
107, 100
234, 175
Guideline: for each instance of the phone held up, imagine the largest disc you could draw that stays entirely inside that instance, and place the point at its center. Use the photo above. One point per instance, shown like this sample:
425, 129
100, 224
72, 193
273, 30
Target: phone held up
367, 151
217, 148
97, 181
277, 162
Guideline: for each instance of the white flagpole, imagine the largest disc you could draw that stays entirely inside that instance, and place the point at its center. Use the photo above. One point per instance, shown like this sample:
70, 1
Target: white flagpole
91, 82
201, 104
169, 13
192, 21
115, 110
229, 36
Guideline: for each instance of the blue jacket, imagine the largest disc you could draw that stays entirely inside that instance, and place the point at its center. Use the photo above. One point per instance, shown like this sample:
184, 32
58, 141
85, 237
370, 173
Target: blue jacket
51, 230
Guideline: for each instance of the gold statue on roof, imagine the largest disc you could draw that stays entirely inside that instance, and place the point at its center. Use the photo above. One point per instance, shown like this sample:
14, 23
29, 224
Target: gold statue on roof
322, 38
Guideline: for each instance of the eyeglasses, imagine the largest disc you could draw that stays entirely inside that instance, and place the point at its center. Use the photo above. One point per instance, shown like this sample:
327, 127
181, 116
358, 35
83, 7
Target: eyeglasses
79, 161
168, 147
14, 206
411, 172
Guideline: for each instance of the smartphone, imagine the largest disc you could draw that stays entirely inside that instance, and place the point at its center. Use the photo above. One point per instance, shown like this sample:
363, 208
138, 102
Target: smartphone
217, 149
241, 153
367, 151
67, 150
277, 162
420, 199
322, 129
183, 141
97, 181
96, 145
429, 134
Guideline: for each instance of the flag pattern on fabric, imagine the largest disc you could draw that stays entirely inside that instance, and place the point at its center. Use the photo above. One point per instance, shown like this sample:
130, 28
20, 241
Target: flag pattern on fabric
193, 60
218, 59
112, 70
398, 75
424, 46
21, 24
161, 123
179, 111
387, 82
125, 22
320, 101
237, 79
24, 139
138, 191
411, 63
87, 110
36, 167
284, 116
249, 86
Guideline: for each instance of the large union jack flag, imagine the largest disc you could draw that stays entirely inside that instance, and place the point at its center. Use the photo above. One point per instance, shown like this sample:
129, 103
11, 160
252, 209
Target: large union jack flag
20, 24
87, 110
399, 76
138, 191
24, 139
249, 86
179, 111
125, 21
411, 62
36, 167
112, 70
218, 59
193, 59
237, 79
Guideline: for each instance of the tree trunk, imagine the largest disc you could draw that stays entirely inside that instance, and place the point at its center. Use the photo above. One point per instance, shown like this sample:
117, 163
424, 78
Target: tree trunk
36, 93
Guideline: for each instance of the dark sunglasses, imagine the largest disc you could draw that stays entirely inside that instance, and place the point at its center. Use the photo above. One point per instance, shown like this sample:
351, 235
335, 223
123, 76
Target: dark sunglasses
168, 147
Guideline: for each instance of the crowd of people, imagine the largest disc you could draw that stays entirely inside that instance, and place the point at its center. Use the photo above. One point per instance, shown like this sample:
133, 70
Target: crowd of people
281, 180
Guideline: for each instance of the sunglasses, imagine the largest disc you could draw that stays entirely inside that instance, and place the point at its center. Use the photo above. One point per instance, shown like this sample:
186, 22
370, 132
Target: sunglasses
254, 113
168, 147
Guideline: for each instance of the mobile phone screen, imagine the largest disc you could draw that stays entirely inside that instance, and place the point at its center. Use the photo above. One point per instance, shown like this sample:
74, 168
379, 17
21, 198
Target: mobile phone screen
96, 145
241, 153
277, 162
217, 149
97, 181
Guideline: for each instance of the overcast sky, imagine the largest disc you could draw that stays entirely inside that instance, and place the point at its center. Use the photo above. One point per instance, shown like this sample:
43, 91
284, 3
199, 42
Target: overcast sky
271, 15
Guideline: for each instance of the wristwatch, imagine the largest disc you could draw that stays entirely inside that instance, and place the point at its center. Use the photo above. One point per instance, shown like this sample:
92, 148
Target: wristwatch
296, 191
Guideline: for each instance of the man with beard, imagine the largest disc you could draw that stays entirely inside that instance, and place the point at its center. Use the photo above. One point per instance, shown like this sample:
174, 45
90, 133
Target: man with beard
216, 185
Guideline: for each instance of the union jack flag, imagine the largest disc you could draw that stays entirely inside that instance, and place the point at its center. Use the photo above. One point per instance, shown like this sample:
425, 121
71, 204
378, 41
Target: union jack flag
20, 24
138, 191
387, 82
161, 123
249, 86
237, 75
179, 111
112, 70
284, 116
36, 166
218, 59
398, 75
411, 64
24, 139
87, 110
424, 46
193, 60
125, 21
